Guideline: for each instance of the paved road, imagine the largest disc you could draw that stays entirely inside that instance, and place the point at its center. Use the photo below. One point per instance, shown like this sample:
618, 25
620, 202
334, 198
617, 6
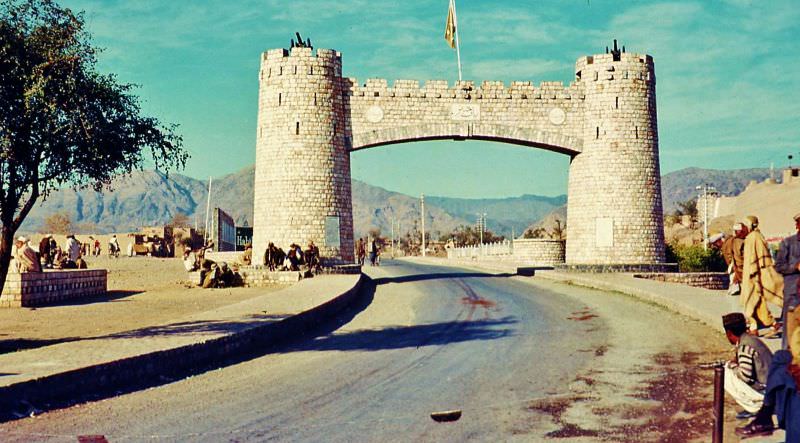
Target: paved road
523, 362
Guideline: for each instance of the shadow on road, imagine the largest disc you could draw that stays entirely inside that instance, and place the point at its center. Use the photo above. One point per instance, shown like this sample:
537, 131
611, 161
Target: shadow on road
115, 295
416, 336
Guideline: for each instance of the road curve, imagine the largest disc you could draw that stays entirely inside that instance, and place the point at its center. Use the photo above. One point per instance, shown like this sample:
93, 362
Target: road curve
523, 362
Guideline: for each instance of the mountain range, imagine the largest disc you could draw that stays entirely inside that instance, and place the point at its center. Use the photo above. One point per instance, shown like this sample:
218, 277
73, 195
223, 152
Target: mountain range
146, 198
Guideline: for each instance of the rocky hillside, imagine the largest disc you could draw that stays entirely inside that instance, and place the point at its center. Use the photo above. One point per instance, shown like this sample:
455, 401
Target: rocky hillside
681, 185
152, 198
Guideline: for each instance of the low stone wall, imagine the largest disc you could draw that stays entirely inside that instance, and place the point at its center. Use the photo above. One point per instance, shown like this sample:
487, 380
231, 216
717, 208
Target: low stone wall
257, 276
622, 267
532, 251
227, 257
538, 251
42, 288
707, 280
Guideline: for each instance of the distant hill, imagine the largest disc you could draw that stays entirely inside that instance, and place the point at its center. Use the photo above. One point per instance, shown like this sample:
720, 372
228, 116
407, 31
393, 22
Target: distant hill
502, 215
679, 186
151, 198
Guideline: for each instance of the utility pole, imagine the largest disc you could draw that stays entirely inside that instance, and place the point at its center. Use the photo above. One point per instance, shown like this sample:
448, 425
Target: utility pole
392, 234
422, 214
708, 190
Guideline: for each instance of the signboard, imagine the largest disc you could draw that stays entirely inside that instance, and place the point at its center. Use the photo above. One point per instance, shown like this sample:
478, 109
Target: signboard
332, 232
465, 112
244, 236
223, 231
604, 232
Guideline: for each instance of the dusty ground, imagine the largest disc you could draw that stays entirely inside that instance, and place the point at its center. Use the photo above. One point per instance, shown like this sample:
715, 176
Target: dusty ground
143, 291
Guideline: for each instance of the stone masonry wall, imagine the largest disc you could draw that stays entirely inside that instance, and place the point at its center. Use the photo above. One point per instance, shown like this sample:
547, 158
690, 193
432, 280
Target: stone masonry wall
302, 184
549, 116
42, 288
614, 208
310, 118
539, 251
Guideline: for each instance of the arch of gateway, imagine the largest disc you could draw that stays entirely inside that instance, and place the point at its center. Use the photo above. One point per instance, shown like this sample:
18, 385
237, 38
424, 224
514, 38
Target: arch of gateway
311, 118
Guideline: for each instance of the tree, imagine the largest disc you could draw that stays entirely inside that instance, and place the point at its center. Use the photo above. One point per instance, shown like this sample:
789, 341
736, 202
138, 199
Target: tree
62, 123
58, 223
179, 220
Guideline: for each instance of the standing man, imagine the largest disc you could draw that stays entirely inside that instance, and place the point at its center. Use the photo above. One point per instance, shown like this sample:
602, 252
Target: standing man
361, 251
73, 248
761, 283
732, 251
788, 264
746, 374
44, 251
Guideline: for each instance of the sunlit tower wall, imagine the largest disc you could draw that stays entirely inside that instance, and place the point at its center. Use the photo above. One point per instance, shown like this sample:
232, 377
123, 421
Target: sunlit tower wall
302, 172
614, 210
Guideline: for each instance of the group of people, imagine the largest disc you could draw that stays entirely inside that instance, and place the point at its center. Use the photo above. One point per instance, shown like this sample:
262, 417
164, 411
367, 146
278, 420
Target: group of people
374, 252
764, 384
50, 255
277, 260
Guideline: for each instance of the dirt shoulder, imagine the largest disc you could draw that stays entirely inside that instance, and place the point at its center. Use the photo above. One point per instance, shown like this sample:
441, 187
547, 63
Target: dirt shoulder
143, 291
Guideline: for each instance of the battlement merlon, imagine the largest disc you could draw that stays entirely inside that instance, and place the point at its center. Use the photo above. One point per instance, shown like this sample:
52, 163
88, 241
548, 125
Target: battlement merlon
640, 64
296, 52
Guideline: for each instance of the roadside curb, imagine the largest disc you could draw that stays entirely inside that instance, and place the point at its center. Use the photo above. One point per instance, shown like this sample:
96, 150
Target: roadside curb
160, 365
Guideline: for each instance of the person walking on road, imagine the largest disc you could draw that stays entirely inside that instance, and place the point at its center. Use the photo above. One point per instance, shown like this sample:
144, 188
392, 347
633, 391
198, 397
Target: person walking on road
761, 283
361, 251
787, 263
746, 374
732, 251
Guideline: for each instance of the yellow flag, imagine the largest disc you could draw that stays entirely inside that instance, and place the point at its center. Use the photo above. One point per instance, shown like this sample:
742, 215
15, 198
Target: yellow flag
450, 27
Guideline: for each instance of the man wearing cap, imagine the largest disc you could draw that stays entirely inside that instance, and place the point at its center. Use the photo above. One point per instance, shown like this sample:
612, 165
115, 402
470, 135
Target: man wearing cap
787, 263
732, 251
761, 283
746, 374
26, 258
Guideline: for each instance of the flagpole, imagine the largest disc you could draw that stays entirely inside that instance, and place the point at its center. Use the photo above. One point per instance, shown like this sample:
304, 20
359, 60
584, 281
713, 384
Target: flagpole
458, 45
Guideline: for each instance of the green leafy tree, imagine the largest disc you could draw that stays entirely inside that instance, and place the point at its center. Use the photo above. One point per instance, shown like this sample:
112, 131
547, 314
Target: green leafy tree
62, 123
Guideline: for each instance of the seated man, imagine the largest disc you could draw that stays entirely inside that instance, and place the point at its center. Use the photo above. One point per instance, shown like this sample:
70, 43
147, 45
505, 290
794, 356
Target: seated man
781, 396
746, 375
247, 255
189, 260
27, 260
311, 256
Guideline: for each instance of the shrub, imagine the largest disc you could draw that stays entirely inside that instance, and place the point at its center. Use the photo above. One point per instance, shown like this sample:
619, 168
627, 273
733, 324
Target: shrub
695, 259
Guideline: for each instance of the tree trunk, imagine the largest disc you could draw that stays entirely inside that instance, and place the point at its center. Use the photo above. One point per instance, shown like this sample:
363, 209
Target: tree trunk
6, 242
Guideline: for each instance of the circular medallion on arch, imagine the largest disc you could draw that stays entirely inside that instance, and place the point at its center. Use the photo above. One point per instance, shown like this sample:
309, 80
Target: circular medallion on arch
557, 116
374, 114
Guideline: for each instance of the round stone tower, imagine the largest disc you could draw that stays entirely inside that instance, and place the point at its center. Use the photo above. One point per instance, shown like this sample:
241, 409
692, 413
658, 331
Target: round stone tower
614, 211
302, 173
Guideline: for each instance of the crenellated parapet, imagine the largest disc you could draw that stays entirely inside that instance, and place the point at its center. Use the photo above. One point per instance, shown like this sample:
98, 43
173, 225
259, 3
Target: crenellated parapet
467, 90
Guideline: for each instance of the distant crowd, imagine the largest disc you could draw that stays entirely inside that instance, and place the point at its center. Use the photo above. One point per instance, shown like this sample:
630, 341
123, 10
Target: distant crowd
763, 384
51, 255
214, 274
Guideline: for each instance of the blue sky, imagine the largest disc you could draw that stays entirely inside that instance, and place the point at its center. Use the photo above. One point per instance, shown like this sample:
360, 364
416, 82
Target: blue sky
728, 88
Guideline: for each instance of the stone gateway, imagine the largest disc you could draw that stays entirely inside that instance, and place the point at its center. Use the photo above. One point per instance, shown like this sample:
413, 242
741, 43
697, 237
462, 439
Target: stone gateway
310, 118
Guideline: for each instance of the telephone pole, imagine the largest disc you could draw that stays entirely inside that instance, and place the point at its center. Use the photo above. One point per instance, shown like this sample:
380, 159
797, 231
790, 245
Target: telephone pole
422, 214
708, 191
